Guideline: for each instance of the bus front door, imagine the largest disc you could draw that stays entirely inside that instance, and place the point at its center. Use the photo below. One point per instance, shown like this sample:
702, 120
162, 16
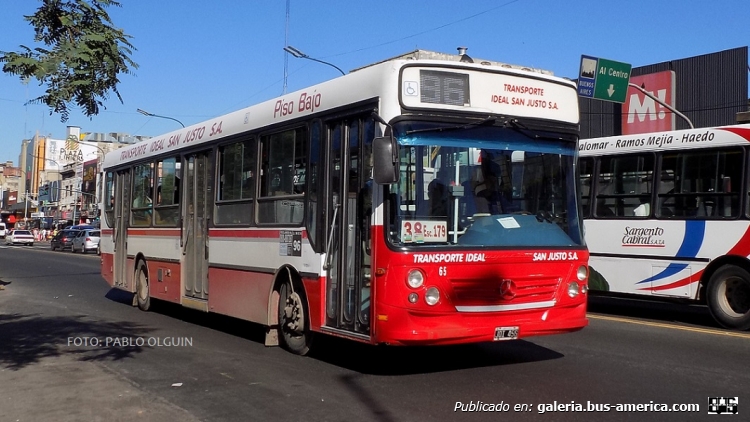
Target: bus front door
194, 238
122, 278
347, 240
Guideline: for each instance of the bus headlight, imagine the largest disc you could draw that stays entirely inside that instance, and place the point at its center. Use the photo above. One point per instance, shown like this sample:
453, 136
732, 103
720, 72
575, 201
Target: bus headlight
573, 289
582, 272
415, 279
413, 297
432, 296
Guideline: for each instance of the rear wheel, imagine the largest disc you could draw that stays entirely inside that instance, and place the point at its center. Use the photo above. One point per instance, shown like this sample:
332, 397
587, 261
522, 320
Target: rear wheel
294, 330
728, 297
141, 287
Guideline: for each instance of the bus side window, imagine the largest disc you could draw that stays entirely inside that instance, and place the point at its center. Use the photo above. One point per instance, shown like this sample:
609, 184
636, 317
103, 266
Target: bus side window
284, 156
603, 209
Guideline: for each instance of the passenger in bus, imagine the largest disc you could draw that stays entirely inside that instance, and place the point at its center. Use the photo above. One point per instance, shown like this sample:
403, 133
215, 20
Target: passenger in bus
487, 188
438, 198
142, 197
602, 209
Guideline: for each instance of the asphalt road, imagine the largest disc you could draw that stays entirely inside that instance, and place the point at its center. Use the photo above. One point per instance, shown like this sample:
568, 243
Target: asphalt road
177, 364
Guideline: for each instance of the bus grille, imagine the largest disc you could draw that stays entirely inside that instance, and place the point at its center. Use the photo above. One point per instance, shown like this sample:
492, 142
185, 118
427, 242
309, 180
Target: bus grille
483, 292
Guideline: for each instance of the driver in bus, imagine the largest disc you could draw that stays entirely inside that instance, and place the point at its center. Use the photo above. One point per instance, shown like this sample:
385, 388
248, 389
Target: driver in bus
486, 186
437, 193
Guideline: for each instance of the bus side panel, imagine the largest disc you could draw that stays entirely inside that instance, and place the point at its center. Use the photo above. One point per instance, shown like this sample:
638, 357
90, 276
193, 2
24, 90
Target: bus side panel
315, 290
662, 257
108, 266
164, 280
130, 279
239, 294
645, 276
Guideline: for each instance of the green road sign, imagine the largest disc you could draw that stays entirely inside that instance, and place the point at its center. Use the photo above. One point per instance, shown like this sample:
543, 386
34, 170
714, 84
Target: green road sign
612, 80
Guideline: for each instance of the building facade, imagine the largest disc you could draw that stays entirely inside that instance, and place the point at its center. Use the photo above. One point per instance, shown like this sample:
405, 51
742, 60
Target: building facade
710, 90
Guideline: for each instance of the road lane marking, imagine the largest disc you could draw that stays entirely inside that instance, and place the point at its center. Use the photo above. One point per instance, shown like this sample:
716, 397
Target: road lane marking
672, 326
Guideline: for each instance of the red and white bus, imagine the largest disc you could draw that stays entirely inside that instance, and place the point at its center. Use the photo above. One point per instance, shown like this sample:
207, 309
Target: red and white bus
667, 216
411, 202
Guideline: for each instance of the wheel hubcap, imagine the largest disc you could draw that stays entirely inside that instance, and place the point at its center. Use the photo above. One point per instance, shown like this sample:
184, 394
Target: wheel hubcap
734, 297
293, 317
142, 289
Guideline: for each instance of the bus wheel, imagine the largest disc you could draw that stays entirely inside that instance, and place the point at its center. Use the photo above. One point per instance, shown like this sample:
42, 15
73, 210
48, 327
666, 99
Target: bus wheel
293, 328
141, 287
728, 297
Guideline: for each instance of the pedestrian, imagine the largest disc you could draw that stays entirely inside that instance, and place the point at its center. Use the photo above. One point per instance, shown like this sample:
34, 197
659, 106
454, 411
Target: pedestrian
44, 235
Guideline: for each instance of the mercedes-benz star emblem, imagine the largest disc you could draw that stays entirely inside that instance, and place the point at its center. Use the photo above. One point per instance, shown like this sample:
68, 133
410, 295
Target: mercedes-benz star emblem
507, 289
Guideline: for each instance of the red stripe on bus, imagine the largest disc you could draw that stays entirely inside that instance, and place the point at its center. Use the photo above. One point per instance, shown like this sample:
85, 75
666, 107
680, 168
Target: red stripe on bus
745, 133
234, 233
154, 232
259, 234
216, 233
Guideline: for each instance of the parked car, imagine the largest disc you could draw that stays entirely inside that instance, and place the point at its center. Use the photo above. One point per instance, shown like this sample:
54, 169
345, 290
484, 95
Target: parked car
23, 237
81, 227
3, 231
63, 239
86, 240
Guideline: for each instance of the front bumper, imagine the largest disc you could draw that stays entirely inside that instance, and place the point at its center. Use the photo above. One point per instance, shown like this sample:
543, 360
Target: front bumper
407, 327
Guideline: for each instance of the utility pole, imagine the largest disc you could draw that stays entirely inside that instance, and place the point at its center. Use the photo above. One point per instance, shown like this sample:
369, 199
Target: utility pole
286, 42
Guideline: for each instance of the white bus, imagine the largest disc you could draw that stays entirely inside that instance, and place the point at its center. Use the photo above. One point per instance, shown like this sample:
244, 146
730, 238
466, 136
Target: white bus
668, 215
420, 200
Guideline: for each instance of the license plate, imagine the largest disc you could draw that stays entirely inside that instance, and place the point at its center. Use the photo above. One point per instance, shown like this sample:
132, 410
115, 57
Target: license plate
506, 333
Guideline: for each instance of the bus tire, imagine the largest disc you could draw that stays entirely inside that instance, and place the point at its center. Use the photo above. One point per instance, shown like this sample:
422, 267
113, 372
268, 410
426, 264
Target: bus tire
293, 316
143, 298
728, 297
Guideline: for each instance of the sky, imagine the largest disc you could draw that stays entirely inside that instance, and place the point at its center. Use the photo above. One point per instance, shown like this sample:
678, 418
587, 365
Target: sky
198, 59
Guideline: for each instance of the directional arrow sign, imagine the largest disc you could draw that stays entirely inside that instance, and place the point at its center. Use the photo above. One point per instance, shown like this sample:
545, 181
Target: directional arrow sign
603, 79
612, 80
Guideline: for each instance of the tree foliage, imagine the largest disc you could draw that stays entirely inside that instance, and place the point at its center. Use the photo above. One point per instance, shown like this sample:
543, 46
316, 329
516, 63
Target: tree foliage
82, 57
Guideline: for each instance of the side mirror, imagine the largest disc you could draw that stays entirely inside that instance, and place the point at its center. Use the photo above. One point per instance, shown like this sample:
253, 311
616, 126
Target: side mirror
385, 160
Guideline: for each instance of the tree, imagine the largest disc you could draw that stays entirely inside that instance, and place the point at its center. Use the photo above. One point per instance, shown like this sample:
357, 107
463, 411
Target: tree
83, 57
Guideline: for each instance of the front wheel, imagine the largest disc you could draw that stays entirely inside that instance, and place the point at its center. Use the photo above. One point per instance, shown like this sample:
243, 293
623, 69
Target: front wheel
294, 330
142, 295
728, 297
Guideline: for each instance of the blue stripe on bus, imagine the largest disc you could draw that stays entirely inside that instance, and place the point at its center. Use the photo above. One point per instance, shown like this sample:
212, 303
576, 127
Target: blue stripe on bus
695, 230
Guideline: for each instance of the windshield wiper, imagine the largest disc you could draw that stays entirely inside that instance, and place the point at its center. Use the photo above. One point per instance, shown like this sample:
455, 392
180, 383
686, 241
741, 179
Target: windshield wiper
519, 127
488, 119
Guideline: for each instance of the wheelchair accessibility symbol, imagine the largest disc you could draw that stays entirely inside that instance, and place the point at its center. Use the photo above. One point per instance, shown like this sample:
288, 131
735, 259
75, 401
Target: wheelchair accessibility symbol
411, 88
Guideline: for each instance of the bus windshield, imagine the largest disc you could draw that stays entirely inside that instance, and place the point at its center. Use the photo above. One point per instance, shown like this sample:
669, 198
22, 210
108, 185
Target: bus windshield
483, 186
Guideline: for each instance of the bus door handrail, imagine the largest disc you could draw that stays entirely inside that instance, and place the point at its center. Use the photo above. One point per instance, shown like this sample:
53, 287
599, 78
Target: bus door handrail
327, 264
187, 239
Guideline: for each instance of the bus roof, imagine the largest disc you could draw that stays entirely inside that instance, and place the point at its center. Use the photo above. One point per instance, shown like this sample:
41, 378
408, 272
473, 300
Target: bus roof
658, 141
434, 55
356, 87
